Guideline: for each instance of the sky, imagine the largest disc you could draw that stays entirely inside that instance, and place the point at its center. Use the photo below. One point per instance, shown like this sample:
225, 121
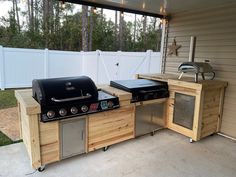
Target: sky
6, 5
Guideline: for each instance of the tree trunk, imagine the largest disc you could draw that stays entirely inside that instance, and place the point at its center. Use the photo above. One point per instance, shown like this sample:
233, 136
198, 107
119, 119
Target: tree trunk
29, 13
91, 29
57, 18
154, 23
32, 15
135, 25
116, 38
14, 13
85, 28
144, 32
51, 16
102, 15
45, 22
121, 31
36, 16
102, 12
17, 16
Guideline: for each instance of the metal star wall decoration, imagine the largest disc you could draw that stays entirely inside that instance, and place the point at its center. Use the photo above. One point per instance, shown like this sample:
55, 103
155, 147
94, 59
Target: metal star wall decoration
173, 48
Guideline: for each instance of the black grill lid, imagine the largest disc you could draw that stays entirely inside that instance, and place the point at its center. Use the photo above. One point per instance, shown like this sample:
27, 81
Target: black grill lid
56, 91
136, 85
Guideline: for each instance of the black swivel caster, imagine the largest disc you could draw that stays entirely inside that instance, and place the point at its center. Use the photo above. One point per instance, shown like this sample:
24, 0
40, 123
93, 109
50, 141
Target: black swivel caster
106, 148
152, 133
41, 169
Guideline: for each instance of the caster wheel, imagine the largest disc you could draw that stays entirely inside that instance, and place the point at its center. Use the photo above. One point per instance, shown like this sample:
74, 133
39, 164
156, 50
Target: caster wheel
152, 133
41, 169
212, 134
191, 140
106, 148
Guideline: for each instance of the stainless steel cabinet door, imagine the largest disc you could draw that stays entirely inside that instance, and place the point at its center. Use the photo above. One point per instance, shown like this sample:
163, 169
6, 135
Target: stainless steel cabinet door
72, 137
145, 116
184, 110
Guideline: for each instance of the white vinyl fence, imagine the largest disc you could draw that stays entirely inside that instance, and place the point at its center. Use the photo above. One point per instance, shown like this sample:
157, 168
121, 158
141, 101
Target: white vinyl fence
18, 67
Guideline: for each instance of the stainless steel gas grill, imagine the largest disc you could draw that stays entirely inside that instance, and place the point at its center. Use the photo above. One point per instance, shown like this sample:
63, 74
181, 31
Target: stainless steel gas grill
142, 89
67, 97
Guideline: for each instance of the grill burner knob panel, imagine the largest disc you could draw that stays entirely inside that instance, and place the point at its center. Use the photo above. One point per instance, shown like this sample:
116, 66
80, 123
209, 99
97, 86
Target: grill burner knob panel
84, 108
50, 114
62, 112
74, 110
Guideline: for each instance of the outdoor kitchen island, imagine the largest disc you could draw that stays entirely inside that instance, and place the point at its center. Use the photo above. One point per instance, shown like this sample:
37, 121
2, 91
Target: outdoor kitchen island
193, 109
44, 141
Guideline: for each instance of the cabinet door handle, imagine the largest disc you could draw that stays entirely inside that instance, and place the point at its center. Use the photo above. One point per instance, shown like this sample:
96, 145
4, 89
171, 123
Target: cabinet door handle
82, 135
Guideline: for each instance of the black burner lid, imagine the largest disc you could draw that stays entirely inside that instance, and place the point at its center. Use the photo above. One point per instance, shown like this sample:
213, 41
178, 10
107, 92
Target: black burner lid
137, 84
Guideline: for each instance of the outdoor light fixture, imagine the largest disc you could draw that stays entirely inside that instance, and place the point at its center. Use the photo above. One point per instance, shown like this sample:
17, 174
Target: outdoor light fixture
95, 10
62, 4
142, 17
122, 14
144, 5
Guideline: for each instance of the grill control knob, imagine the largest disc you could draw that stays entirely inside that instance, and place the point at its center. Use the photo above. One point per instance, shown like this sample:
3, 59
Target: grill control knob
50, 114
110, 104
62, 112
84, 108
74, 110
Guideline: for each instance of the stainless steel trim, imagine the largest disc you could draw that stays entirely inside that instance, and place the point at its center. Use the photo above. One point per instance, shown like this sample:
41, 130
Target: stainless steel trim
71, 99
149, 91
82, 135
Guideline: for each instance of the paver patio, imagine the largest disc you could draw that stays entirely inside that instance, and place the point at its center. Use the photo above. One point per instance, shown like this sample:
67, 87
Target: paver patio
9, 123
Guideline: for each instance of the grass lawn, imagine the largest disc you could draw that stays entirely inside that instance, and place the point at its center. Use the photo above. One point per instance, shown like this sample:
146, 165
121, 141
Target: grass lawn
4, 140
7, 99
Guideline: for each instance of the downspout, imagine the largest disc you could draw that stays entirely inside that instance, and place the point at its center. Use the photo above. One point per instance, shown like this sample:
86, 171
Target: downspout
164, 37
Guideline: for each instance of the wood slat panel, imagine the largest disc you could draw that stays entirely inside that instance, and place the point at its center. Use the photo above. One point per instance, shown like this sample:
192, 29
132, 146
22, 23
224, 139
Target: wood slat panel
49, 142
211, 12
110, 127
215, 33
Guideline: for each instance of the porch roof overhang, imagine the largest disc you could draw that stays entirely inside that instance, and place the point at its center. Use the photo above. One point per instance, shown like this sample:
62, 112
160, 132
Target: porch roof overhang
154, 8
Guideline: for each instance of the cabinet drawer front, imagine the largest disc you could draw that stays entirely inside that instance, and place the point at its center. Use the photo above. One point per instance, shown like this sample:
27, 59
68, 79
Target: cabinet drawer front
110, 127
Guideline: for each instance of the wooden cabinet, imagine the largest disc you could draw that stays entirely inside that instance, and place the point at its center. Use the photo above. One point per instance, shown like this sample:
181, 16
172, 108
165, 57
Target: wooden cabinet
110, 127
195, 109
52, 141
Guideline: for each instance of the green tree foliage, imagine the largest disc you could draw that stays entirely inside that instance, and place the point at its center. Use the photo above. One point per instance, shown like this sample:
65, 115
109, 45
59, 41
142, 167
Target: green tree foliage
59, 28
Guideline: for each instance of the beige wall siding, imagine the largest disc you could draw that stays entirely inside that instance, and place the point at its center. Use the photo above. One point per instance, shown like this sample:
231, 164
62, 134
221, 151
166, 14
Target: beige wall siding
215, 31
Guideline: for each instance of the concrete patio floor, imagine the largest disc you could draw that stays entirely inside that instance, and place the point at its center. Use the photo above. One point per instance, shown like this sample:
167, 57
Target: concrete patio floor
167, 154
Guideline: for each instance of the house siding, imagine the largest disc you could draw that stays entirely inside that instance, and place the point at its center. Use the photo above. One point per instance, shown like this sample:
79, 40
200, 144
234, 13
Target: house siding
215, 31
